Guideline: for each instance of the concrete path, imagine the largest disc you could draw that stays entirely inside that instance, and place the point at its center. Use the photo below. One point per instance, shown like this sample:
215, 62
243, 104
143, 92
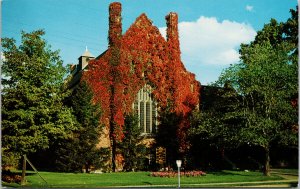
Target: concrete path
269, 183
286, 183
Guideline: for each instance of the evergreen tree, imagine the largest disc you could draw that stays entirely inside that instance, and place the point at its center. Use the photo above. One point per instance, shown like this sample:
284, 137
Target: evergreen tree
166, 136
81, 150
33, 113
132, 148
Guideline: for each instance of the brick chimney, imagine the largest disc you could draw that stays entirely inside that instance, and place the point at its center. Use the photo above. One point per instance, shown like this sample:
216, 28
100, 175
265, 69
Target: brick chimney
115, 24
172, 30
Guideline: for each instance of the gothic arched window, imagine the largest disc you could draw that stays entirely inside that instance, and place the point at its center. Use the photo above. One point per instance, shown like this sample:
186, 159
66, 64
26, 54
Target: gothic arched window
146, 108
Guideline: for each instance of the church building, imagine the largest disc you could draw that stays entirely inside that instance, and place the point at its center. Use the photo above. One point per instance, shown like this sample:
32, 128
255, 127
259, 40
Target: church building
140, 72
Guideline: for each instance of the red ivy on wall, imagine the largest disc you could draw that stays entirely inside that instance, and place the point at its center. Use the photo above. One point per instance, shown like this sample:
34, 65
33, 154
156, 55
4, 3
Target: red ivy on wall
142, 56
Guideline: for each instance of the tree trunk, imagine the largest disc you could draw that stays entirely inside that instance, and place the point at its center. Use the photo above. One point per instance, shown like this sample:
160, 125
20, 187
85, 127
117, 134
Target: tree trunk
87, 168
266, 170
113, 159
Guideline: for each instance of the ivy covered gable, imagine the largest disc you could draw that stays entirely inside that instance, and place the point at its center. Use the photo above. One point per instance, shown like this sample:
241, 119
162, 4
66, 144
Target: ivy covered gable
140, 57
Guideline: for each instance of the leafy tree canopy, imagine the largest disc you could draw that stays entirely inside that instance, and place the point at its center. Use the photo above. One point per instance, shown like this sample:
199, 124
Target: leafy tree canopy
33, 114
266, 84
257, 97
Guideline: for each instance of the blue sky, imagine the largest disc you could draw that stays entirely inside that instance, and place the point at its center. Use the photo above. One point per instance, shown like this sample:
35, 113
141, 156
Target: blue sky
210, 30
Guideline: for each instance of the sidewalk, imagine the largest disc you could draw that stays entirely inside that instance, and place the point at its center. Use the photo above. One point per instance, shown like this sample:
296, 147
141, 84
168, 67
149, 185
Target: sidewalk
269, 183
289, 180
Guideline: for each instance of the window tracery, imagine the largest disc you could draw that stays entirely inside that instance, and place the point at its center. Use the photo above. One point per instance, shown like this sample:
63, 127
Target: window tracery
145, 107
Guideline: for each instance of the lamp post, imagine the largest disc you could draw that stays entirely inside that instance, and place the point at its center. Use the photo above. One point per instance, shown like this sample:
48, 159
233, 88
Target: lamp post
178, 162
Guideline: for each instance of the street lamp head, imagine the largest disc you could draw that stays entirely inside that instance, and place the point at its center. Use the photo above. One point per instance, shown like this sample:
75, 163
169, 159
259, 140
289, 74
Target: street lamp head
178, 162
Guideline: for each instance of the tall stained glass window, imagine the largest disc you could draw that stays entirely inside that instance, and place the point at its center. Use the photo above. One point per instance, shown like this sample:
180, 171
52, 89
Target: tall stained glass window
146, 107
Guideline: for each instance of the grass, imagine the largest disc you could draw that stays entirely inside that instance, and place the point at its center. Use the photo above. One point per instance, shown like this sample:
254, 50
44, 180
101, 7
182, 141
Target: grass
73, 180
286, 171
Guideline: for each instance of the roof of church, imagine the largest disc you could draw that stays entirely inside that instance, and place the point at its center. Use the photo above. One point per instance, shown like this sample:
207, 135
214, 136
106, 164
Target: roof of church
146, 23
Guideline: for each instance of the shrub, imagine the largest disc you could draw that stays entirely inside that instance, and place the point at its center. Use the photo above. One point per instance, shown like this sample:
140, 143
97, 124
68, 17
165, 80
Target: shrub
10, 177
174, 174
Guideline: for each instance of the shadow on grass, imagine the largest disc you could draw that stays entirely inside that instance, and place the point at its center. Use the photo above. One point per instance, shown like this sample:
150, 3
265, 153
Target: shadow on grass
27, 174
19, 172
15, 173
223, 173
294, 184
236, 173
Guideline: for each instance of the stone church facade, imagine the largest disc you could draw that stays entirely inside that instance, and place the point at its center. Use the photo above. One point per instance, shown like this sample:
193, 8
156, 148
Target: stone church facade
140, 72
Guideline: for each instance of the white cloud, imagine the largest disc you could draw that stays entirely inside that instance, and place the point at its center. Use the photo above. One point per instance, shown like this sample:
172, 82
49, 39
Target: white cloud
249, 8
208, 45
208, 41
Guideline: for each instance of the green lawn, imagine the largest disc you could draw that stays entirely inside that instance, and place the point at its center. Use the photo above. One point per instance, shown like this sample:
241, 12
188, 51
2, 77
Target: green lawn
286, 171
138, 179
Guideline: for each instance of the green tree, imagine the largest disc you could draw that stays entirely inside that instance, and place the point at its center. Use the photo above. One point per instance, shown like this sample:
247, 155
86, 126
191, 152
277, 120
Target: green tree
166, 136
213, 126
210, 121
266, 82
132, 148
33, 114
81, 150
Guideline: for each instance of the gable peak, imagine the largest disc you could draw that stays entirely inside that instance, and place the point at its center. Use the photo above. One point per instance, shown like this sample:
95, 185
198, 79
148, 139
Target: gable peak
142, 18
